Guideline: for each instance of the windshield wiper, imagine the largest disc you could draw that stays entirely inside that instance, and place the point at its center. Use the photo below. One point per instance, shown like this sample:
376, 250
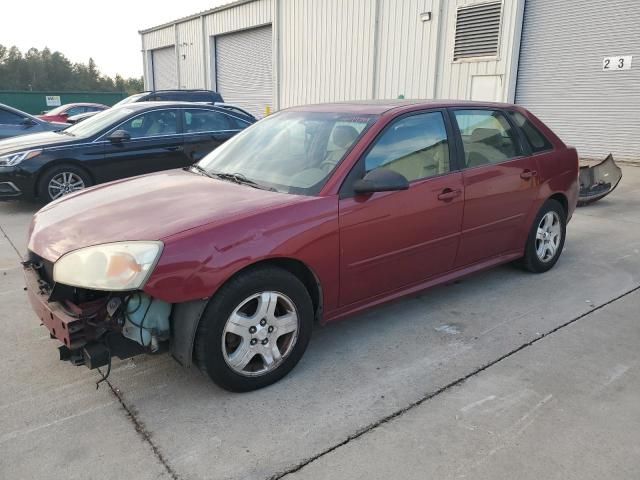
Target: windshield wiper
64, 132
199, 169
240, 179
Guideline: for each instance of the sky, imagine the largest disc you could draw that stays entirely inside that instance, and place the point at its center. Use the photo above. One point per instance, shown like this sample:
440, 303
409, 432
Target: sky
80, 29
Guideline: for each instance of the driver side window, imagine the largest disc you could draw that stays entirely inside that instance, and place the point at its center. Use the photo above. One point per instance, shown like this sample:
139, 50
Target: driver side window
151, 124
416, 147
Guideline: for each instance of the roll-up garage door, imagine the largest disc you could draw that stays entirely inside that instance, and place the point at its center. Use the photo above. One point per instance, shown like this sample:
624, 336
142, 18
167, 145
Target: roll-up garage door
244, 69
165, 75
562, 79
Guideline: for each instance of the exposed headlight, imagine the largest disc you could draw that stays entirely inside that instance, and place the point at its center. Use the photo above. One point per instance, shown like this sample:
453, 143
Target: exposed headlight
110, 266
15, 158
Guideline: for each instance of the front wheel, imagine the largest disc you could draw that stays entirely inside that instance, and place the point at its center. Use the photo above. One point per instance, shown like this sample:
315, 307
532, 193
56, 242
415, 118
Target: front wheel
62, 180
255, 329
546, 238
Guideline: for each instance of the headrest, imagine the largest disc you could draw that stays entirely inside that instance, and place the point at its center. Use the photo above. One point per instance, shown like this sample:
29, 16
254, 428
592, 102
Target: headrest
344, 135
484, 134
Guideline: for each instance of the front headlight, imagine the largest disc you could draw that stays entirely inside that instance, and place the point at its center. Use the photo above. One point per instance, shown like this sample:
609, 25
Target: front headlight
15, 158
110, 266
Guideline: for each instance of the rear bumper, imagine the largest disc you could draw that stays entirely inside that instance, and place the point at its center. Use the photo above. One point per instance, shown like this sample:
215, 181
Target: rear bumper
68, 329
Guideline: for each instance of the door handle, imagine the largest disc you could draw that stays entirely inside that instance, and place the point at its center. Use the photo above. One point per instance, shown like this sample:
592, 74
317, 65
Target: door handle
449, 194
177, 148
527, 174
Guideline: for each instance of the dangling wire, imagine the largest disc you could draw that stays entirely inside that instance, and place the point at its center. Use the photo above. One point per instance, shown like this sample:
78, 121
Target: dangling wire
105, 375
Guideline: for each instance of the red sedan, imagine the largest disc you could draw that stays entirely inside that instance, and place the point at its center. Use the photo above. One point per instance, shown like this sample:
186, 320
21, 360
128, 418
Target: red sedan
63, 112
312, 214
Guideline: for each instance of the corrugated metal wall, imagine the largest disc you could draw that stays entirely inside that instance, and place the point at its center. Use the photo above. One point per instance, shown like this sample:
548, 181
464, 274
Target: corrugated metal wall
326, 50
190, 54
561, 80
332, 50
408, 49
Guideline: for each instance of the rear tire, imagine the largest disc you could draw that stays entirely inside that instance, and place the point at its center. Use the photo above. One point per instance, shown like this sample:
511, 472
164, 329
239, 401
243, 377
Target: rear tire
255, 329
546, 238
62, 180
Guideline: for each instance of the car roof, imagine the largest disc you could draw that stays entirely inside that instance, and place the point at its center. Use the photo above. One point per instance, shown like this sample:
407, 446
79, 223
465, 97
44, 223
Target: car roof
84, 104
378, 107
136, 106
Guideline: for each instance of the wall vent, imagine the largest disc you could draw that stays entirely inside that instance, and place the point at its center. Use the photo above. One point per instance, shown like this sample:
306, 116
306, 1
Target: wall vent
477, 31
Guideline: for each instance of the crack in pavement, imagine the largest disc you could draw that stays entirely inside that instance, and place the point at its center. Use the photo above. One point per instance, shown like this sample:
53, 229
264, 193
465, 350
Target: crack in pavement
429, 396
4, 234
141, 429
131, 414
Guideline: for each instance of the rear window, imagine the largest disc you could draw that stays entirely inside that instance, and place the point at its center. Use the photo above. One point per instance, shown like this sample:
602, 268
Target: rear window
538, 142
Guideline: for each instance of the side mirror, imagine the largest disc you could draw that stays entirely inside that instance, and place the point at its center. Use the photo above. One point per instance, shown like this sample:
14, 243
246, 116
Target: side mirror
119, 136
380, 180
28, 122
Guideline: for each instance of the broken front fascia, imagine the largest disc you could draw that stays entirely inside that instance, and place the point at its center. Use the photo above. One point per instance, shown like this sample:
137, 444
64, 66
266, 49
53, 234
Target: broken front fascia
598, 181
82, 319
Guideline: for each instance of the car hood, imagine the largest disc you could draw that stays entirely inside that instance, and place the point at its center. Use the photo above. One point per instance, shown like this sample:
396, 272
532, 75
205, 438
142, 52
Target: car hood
34, 140
149, 207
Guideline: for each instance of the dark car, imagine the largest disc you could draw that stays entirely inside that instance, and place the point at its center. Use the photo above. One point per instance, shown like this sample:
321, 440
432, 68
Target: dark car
14, 122
119, 142
204, 96
208, 96
314, 213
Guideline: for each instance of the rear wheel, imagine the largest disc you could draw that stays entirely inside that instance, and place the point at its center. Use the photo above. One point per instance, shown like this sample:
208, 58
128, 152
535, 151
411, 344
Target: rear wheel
62, 180
546, 238
255, 329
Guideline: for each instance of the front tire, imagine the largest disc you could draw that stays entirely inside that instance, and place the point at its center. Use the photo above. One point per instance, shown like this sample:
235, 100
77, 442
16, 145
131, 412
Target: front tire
255, 329
62, 180
546, 238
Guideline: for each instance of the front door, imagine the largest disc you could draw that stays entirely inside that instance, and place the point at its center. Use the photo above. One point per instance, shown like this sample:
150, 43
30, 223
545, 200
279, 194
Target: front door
500, 183
392, 240
155, 144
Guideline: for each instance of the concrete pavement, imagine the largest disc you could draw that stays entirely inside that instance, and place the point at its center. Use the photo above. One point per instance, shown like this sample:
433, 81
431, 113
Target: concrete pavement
156, 419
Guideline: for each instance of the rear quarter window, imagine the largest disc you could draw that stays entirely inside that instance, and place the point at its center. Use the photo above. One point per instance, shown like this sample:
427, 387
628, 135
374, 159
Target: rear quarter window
537, 141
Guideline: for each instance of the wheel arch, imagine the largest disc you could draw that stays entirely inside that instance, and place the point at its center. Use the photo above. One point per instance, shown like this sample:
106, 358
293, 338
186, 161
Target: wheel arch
562, 199
190, 313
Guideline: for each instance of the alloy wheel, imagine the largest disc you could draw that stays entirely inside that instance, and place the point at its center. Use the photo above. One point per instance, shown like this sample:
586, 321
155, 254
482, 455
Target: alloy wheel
260, 333
64, 183
548, 236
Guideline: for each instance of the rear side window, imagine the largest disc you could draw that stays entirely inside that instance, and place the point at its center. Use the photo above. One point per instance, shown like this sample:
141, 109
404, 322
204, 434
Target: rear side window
205, 121
537, 141
487, 137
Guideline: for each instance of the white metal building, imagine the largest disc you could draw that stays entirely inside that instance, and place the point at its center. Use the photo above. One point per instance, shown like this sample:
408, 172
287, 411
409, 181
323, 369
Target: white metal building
545, 54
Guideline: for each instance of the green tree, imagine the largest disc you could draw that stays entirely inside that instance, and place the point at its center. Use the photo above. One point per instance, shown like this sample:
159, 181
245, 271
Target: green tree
52, 71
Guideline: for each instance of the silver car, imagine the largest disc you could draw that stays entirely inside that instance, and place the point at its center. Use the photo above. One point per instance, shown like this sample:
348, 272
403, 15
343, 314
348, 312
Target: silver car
14, 122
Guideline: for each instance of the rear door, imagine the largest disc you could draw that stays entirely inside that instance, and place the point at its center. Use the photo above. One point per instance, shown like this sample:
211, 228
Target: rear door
205, 130
392, 240
155, 144
500, 183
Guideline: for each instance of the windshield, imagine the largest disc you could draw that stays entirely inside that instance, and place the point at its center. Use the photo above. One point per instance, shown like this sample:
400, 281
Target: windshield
98, 122
130, 99
291, 152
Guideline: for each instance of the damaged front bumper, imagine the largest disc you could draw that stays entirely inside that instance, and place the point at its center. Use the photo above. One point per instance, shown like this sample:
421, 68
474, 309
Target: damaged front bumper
95, 326
598, 181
